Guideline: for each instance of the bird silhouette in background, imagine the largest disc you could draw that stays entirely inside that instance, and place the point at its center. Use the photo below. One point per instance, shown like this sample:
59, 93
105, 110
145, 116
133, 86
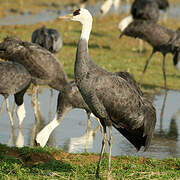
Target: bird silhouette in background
144, 10
14, 80
111, 98
48, 38
162, 40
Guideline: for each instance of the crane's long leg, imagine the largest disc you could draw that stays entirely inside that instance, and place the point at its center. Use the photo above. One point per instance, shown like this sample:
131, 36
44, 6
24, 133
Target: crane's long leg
20, 138
162, 109
102, 150
13, 108
145, 67
110, 150
21, 114
88, 132
35, 101
2, 107
9, 112
164, 70
11, 137
50, 105
140, 45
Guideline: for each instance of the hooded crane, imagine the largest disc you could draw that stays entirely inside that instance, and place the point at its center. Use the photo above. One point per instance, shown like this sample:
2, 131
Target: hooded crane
110, 98
68, 99
162, 40
44, 67
15, 80
48, 38
144, 10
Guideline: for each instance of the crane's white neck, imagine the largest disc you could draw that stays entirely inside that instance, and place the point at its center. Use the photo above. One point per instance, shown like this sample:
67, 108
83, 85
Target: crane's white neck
86, 30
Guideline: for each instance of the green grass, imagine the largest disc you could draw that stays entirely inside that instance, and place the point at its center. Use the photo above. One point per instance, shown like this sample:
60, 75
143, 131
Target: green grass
107, 50
45, 163
113, 54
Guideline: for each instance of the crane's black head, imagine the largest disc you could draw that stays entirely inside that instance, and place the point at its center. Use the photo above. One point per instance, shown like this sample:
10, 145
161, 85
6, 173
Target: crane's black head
82, 15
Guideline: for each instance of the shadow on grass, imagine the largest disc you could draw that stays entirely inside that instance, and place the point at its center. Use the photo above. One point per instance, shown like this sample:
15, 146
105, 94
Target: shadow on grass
54, 165
33, 159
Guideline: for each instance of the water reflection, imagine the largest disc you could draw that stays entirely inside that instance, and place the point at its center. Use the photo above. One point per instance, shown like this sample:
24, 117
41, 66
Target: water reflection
84, 142
73, 135
49, 15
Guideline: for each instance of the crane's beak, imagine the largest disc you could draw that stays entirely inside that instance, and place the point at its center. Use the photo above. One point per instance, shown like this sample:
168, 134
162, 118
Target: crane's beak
66, 17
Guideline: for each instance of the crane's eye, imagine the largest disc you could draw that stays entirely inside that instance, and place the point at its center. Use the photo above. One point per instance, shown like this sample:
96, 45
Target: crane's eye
77, 12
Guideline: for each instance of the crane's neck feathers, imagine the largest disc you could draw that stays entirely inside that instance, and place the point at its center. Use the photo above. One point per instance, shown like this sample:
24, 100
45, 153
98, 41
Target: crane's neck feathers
86, 30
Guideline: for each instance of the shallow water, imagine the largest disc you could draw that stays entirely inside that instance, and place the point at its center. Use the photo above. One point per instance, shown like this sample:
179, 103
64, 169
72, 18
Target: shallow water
49, 15
72, 135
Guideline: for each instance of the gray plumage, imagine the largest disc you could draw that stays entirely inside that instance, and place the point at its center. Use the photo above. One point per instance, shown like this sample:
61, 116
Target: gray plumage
148, 9
70, 98
114, 100
14, 80
43, 66
48, 38
145, 10
162, 39
156, 35
111, 98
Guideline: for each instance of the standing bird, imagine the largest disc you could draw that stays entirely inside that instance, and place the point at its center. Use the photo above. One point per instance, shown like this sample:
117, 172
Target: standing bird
68, 99
145, 10
48, 38
44, 67
14, 80
162, 40
110, 98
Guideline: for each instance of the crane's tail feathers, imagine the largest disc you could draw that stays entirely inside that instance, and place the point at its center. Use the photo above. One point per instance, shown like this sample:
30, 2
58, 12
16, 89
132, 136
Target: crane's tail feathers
133, 137
149, 125
141, 136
